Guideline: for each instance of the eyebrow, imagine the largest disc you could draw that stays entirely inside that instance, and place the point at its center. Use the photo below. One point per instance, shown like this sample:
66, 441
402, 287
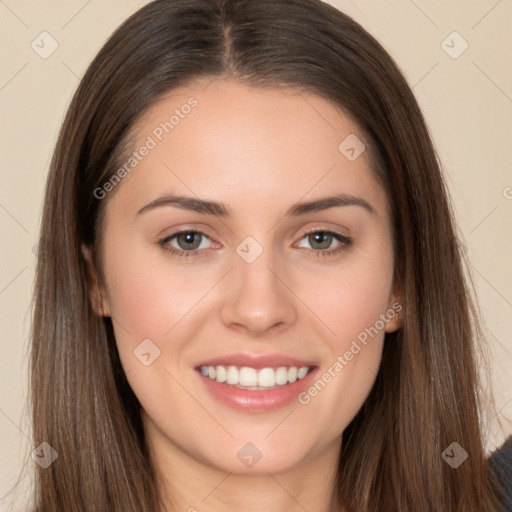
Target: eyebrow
220, 210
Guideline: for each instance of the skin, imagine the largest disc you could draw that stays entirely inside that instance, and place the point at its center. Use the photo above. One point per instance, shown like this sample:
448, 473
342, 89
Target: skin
258, 151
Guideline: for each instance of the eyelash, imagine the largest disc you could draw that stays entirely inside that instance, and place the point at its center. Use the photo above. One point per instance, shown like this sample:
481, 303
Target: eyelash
345, 243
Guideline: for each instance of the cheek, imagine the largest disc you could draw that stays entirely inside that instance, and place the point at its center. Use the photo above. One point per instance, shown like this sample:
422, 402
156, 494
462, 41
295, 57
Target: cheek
356, 307
350, 298
153, 305
149, 296
353, 304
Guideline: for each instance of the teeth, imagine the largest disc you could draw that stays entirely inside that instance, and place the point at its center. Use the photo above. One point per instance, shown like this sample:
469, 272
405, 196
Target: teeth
254, 379
248, 377
232, 375
282, 376
221, 374
267, 378
302, 373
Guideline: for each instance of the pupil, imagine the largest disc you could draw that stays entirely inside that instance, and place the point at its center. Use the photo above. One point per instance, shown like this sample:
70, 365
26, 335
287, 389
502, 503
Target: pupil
188, 240
323, 239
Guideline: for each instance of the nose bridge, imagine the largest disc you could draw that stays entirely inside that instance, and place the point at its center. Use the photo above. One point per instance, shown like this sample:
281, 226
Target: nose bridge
257, 298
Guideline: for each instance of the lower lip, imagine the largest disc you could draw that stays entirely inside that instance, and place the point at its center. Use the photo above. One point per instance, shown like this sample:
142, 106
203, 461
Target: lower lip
257, 401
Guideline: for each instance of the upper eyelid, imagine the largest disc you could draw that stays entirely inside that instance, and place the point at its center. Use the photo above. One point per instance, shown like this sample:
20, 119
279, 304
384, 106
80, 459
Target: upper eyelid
167, 239
342, 239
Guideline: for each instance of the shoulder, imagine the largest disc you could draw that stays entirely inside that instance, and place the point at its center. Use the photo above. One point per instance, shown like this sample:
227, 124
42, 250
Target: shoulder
501, 460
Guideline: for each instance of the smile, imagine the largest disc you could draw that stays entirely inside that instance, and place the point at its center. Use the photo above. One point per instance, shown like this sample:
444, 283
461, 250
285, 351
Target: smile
255, 379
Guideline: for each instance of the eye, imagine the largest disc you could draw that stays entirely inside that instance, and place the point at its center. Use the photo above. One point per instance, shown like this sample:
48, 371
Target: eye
192, 243
185, 243
325, 243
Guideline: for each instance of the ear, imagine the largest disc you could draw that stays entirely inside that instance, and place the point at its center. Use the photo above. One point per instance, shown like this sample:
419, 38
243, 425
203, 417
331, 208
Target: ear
395, 311
96, 293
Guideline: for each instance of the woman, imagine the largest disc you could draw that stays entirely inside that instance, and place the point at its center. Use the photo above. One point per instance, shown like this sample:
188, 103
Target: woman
249, 290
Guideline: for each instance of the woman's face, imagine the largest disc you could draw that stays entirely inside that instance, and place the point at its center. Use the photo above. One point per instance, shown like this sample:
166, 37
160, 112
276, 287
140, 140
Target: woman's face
250, 242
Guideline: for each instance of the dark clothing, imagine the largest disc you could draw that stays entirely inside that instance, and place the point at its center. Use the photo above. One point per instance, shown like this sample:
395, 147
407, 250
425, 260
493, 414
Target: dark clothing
501, 459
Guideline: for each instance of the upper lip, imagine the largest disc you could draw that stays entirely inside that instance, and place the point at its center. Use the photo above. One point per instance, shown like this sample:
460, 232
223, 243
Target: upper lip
256, 361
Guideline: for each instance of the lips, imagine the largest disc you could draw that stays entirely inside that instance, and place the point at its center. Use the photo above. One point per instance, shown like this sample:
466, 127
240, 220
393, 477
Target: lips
257, 362
260, 393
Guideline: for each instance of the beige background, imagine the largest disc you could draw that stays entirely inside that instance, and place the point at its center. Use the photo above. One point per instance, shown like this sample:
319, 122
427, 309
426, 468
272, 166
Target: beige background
467, 102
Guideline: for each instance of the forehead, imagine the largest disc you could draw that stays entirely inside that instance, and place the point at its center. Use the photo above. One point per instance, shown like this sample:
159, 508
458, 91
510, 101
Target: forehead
249, 147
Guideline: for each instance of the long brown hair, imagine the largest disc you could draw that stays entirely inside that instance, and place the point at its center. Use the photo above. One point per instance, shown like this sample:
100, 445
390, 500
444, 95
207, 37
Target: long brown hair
425, 395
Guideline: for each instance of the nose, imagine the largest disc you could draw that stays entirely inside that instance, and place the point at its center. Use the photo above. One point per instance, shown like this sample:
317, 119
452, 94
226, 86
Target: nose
258, 299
